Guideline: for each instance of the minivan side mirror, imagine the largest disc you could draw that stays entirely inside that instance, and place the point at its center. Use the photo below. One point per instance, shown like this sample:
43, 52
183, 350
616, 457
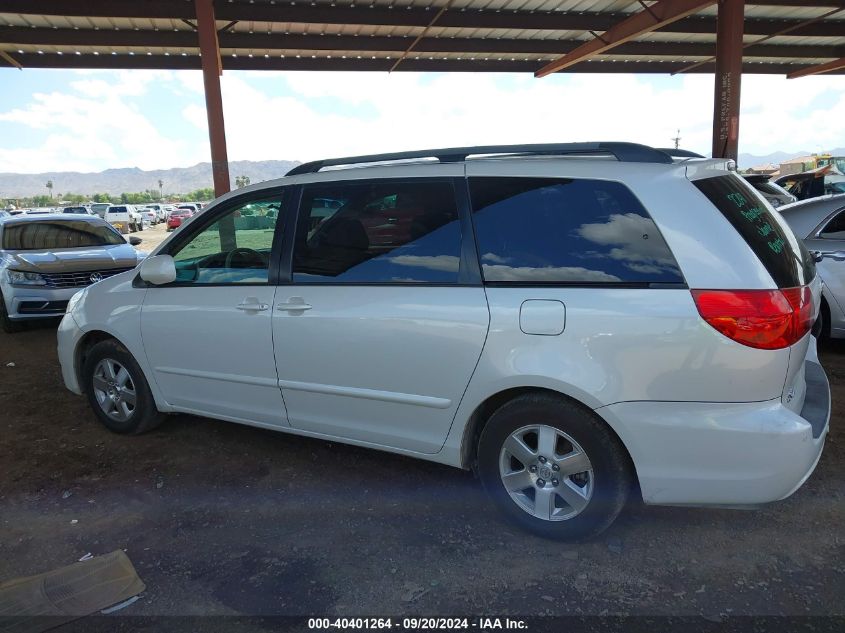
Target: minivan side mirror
158, 270
134, 240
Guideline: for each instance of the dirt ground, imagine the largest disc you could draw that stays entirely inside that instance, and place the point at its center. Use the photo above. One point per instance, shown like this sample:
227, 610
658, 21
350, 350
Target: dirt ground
225, 519
152, 236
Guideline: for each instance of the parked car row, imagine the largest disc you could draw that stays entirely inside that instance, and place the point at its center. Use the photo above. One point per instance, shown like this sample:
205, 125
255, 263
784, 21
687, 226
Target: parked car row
160, 211
180, 214
827, 180
133, 218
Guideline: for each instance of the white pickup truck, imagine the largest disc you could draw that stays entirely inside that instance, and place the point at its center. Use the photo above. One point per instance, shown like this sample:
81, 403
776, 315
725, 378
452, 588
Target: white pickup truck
125, 218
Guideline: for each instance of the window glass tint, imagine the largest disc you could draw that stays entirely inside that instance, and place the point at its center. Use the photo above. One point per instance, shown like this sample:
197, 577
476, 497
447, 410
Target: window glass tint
542, 230
768, 235
33, 236
835, 229
382, 232
234, 249
770, 188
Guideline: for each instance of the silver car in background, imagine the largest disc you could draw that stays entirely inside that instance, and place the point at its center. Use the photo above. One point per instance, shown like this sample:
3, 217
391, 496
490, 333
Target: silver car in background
820, 222
46, 259
776, 195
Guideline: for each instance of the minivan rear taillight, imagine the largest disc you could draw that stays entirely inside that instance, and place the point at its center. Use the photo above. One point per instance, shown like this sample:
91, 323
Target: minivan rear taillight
765, 319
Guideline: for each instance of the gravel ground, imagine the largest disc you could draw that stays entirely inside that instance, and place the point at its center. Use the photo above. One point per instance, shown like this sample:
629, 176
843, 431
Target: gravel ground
226, 519
152, 236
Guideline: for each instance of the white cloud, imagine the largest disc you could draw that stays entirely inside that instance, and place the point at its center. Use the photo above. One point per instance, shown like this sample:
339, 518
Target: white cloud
549, 274
496, 259
373, 112
635, 240
444, 263
96, 123
95, 126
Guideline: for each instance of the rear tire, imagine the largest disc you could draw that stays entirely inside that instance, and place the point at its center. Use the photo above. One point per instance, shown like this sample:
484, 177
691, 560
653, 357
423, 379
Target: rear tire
568, 476
8, 325
117, 390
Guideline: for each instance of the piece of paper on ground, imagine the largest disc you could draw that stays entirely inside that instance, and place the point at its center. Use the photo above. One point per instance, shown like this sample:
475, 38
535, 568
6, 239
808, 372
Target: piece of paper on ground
37, 603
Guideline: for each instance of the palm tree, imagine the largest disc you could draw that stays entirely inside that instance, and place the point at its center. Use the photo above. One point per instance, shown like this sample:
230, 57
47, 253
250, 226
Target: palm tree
160, 185
50, 187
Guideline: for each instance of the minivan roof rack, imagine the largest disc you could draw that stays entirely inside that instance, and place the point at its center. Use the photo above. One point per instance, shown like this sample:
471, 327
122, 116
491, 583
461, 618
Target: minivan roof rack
674, 152
624, 152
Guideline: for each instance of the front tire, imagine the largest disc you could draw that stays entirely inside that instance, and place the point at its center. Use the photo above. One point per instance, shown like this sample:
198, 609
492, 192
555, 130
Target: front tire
8, 325
553, 467
117, 390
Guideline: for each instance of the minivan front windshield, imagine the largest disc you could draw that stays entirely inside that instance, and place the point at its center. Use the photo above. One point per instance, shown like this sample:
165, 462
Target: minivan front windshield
58, 234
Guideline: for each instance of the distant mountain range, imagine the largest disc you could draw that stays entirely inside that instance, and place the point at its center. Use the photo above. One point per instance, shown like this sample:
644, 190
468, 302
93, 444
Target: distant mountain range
185, 179
132, 179
750, 160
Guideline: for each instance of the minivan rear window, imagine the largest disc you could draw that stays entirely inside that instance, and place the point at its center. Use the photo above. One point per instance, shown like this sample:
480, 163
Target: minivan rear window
766, 233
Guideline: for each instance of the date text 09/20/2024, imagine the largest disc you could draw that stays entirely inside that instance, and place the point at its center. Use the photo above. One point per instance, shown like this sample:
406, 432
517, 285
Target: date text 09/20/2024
418, 624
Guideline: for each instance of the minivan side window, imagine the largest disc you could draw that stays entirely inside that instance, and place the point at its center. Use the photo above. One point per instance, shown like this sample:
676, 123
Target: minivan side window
234, 249
567, 231
378, 232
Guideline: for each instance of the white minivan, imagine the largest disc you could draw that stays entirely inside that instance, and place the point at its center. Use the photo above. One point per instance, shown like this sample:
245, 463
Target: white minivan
577, 323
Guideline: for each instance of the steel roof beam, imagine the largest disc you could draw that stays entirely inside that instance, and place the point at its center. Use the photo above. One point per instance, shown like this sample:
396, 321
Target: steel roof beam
212, 68
281, 42
414, 17
728, 79
10, 60
651, 18
185, 9
829, 67
192, 62
760, 43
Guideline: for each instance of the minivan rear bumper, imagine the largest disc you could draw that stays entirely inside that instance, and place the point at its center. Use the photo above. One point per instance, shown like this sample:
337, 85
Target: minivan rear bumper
708, 453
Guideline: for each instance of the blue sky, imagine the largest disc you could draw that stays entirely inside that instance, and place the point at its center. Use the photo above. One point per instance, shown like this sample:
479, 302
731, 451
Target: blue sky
93, 120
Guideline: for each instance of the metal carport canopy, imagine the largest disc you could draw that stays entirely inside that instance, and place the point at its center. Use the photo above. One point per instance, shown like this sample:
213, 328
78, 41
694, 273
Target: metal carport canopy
789, 37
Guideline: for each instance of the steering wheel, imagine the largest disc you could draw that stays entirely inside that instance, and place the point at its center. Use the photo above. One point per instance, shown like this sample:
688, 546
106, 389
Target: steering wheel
248, 252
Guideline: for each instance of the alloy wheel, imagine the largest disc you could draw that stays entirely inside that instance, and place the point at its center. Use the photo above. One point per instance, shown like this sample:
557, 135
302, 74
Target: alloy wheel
114, 390
546, 472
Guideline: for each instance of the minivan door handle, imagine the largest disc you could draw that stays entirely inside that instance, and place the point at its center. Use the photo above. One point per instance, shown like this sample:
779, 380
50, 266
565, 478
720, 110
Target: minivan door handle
294, 304
251, 304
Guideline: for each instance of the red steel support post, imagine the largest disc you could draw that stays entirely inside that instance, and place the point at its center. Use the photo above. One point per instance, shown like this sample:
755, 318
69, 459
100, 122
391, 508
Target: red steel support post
729, 30
212, 68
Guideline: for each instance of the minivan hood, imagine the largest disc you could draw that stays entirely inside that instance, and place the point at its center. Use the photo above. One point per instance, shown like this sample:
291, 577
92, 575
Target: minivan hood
75, 259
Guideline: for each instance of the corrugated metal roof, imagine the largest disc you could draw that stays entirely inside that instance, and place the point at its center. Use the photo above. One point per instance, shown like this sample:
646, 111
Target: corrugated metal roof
100, 33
